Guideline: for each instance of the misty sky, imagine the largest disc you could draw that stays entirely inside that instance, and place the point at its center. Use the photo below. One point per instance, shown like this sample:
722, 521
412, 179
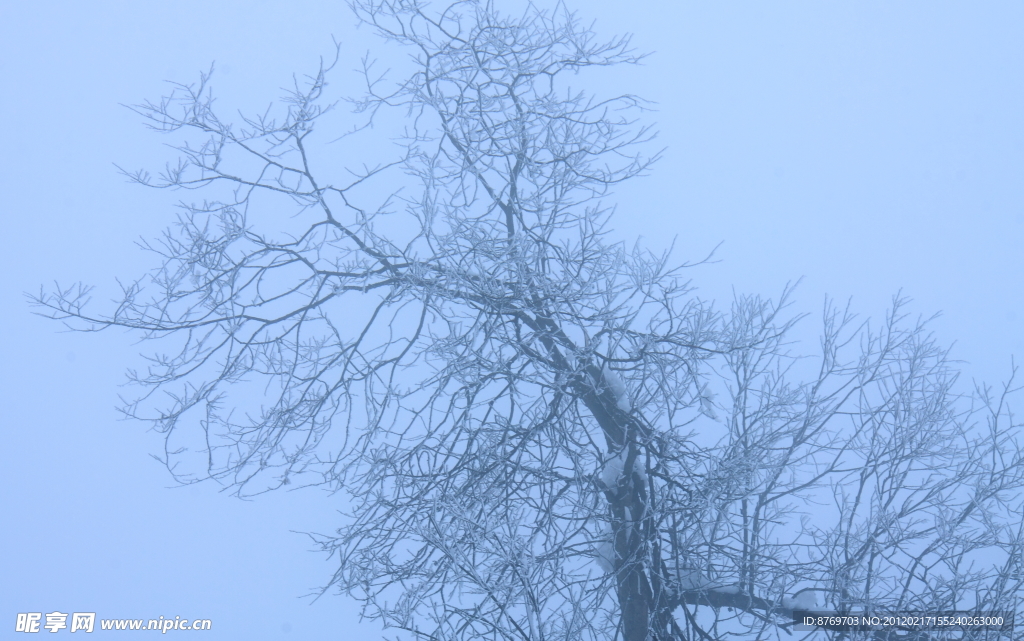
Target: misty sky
867, 147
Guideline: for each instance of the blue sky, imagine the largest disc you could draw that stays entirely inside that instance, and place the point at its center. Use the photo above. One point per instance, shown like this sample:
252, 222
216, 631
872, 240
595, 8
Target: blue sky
865, 147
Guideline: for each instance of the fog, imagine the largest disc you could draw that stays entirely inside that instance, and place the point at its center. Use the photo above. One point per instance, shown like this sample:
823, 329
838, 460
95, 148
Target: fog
866, 148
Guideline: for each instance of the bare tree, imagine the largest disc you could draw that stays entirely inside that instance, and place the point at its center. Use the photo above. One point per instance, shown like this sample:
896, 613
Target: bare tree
543, 434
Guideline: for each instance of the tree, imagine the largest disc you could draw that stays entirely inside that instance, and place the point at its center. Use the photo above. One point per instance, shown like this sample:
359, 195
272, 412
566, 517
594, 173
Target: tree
544, 435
